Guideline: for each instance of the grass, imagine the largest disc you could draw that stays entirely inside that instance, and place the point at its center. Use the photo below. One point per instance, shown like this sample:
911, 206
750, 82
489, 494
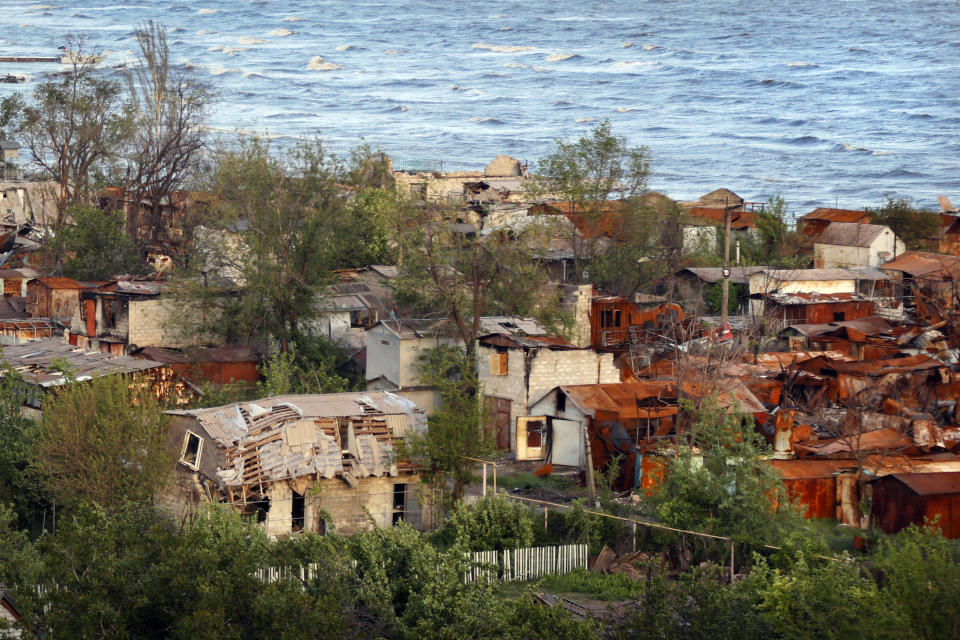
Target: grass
596, 586
527, 482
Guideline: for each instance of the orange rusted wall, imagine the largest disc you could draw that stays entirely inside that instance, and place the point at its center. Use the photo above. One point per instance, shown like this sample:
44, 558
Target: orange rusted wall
817, 495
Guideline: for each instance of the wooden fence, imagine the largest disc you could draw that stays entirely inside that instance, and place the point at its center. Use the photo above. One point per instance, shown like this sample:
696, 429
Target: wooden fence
529, 563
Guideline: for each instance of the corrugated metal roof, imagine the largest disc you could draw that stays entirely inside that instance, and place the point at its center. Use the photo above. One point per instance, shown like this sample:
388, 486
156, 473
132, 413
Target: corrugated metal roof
922, 264
61, 283
931, 484
738, 275
811, 298
837, 215
739, 220
795, 275
622, 398
851, 234
33, 361
870, 325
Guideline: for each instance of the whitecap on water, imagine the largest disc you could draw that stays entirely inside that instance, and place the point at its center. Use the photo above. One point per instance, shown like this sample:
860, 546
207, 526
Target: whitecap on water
486, 120
540, 69
230, 51
625, 109
219, 70
392, 52
317, 63
280, 33
499, 48
583, 119
293, 19
560, 57
626, 45
798, 64
349, 47
515, 65
249, 40
204, 12
633, 63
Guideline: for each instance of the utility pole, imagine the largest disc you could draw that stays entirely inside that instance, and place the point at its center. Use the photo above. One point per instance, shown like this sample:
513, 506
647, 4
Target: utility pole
726, 267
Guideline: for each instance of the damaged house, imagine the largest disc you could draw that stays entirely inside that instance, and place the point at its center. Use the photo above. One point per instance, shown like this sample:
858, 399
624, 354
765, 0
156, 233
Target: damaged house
515, 369
296, 461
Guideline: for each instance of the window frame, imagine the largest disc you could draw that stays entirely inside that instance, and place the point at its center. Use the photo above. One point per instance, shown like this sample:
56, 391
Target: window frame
183, 451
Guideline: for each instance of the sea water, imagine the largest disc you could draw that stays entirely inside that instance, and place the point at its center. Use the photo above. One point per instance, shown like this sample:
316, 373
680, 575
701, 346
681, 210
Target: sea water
826, 102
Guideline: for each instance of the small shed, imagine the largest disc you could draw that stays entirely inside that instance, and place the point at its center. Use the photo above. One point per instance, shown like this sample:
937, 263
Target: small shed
902, 499
851, 244
53, 297
10, 150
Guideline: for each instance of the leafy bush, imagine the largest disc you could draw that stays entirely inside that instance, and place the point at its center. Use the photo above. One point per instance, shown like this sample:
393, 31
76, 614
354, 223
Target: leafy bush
614, 586
492, 523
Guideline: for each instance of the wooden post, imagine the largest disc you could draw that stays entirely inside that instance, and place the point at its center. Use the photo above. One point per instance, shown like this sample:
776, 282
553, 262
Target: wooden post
589, 470
484, 479
732, 571
494, 479
544, 517
726, 265
634, 537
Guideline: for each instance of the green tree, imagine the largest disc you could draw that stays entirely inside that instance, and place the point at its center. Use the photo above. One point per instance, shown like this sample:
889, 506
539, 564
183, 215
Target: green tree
104, 441
493, 522
279, 232
286, 372
95, 246
920, 572
22, 485
583, 176
169, 106
917, 228
456, 429
823, 599
466, 275
74, 127
776, 244
718, 481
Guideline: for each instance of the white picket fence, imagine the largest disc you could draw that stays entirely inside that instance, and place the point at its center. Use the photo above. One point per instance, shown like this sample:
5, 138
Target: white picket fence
529, 563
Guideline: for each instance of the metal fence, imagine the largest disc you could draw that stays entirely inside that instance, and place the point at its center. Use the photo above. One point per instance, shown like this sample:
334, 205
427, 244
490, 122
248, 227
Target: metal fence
528, 563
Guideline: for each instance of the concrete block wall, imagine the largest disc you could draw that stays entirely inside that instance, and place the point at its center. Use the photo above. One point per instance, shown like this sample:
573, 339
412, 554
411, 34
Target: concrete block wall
554, 368
159, 323
351, 508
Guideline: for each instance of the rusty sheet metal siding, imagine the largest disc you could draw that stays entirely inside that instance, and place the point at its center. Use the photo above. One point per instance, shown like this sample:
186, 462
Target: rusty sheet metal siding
894, 505
947, 509
818, 496
825, 312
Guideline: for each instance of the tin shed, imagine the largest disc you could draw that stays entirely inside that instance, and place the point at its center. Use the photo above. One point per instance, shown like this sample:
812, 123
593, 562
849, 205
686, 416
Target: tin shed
901, 499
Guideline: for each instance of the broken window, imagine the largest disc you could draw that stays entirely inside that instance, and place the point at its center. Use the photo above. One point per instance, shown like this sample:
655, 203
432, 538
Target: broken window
498, 363
297, 511
610, 318
109, 312
190, 455
399, 501
839, 316
535, 429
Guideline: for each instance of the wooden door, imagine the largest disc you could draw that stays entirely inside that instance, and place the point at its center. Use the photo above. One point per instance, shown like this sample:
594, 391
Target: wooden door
498, 421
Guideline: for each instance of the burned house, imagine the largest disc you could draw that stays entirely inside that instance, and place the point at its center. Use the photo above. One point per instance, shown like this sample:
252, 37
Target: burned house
930, 278
693, 282
599, 422
813, 296
513, 369
125, 314
289, 460
616, 322
53, 297
47, 364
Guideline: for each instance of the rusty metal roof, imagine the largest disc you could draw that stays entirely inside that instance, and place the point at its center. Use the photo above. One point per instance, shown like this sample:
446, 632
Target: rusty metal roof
851, 234
929, 266
506, 340
870, 325
622, 398
739, 220
811, 298
837, 215
931, 484
60, 283
885, 439
918, 362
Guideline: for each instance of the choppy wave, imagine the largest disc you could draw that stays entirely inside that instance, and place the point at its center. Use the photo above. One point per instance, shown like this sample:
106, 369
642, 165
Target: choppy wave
250, 40
317, 63
293, 19
560, 57
205, 12
501, 48
486, 120
279, 33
